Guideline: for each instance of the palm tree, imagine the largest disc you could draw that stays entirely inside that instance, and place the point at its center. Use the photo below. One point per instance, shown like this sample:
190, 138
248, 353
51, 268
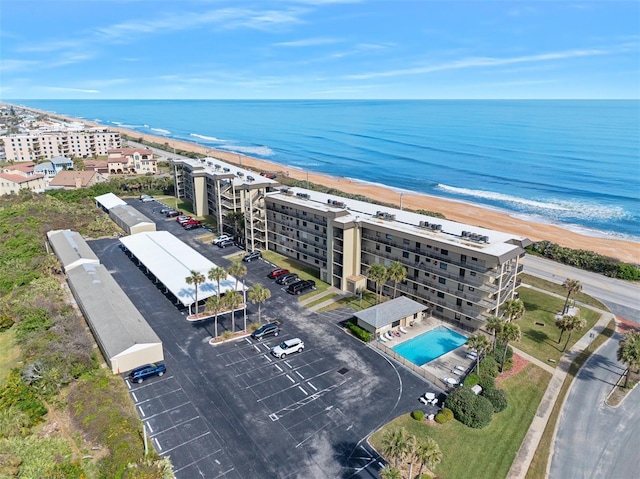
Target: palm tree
388, 472
509, 333
195, 278
494, 325
378, 274
574, 323
214, 303
513, 309
258, 294
428, 453
236, 218
562, 324
232, 299
572, 286
395, 444
217, 274
237, 270
396, 273
629, 353
481, 345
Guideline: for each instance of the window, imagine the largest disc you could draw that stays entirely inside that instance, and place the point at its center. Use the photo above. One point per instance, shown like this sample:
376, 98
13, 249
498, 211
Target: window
444, 252
458, 302
377, 247
316, 227
304, 256
387, 249
405, 241
388, 236
304, 223
469, 303
442, 280
417, 245
439, 309
443, 266
471, 289
317, 239
304, 213
440, 294
405, 254
474, 259
472, 273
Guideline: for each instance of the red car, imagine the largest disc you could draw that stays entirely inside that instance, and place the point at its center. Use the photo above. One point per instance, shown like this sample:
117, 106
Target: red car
276, 273
190, 222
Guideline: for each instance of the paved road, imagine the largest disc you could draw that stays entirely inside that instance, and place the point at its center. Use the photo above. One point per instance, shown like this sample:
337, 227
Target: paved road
621, 297
594, 440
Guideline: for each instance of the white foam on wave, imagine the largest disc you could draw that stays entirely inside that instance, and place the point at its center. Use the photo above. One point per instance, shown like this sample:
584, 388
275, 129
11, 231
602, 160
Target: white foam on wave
250, 150
555, 209
160, 130
208, 138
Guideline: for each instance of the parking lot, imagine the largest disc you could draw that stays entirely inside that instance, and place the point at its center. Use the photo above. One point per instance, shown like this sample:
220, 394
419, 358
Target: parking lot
233, 410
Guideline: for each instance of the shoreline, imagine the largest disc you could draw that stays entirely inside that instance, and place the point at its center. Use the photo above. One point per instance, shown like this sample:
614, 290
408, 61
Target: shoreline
462, 212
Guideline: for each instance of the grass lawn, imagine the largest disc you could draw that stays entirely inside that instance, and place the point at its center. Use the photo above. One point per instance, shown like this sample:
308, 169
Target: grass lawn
10, 353
542, 341
482, 453
368, 300
301, 269
558, 289
322, 299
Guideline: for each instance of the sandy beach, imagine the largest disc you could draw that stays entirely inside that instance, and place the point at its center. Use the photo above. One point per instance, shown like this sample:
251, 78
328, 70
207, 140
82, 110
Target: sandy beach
626, 251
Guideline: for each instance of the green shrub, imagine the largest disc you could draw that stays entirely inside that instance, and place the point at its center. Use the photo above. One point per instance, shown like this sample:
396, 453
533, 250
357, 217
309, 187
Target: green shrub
15, 393
418, 415
66, 470
6, 322
471, 380
445, 415
489, 366
486, 382
358, 332
471, 410
497, 398
499, 351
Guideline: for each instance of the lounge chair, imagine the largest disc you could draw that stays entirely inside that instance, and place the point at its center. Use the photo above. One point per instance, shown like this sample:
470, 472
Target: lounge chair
396, 333
472, 353
434, 402
423, 400
388, 335
471, 356
457, 372
382, 338
451, 381
402, 330
460, 368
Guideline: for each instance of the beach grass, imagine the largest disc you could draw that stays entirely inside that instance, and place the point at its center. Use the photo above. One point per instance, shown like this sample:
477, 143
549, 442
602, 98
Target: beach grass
539, 331
558, 289
538, 466
10, 352
482, 453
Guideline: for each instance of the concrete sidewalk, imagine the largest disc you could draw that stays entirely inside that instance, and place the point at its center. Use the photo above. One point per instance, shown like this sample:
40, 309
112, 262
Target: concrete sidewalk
530, 443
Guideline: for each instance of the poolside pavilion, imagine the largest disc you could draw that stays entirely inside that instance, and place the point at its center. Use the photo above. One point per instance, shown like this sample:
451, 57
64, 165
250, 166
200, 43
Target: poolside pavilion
390, 315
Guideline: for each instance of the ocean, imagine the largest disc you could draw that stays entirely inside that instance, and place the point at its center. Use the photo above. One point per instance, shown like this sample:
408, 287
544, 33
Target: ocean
571, 163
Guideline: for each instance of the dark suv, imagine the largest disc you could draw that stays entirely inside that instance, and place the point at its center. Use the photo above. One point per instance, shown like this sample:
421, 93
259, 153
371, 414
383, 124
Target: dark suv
301, 286
287, 279
143, 372
266, 330
225, 243
251, 256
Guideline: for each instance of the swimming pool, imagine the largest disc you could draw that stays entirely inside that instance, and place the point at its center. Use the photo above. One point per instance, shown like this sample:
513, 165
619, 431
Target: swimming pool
430, 345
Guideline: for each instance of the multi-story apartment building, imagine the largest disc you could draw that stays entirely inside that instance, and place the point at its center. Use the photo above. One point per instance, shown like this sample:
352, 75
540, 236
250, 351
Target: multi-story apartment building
462, 273
39, 146
132, 160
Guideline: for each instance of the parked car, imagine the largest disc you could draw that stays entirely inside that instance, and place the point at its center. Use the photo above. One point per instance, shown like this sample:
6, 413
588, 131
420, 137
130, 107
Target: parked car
190, 221
164, 211
289, 346
251, 256
192, 225
266, 330
276, 273
173, 213
301, 286
182, 218
221, 238
225, 243
138, 375
146, 197
287, 279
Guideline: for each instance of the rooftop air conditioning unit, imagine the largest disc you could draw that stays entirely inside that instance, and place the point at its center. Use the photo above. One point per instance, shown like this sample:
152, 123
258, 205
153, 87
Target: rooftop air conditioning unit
465, 234
250, 178
240, 174
217, 167
439, 227
485, 239
226, 170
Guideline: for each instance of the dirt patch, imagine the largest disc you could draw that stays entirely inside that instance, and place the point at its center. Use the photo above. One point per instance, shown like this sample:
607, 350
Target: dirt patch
519, 363
625, 325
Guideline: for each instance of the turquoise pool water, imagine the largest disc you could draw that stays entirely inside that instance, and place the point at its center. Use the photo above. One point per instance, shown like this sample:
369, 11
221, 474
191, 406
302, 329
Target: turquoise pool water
430, 345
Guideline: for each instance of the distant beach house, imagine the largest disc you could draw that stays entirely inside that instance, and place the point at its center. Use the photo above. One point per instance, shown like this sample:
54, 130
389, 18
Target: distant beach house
21, 177
61, 163
100, 166
73, 180
131, 161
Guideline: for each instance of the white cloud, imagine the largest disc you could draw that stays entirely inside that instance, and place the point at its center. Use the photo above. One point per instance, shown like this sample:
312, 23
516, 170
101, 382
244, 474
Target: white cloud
9, 65
75, 90
309, 42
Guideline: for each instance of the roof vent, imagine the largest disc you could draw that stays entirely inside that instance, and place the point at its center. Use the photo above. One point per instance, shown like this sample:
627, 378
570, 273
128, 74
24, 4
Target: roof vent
226, 170
217, 167
240, 174
305, 196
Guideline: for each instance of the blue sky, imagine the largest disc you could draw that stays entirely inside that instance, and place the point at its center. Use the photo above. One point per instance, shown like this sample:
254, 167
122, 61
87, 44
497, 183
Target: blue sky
319, 49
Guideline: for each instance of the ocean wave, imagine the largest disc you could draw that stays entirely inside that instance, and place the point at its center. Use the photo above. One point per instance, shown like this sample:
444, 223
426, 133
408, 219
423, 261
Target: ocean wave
160, 130
552, 208
249, 150
208, 138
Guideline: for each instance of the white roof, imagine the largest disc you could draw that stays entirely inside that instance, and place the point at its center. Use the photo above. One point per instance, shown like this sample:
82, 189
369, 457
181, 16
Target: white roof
109, 200
171, 261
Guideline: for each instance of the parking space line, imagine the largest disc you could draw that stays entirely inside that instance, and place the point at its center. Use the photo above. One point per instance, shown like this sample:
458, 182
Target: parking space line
135, 399
312, 386
279, 368
298, 373
200, 459
290, 379
158, 396
266, 346
148, 426
158, 446
317, 395
301, 389
176, 425
141, 411
170, 409
189, 441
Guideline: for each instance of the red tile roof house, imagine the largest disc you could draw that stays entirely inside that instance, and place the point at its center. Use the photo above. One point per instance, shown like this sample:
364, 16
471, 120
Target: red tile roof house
132, 160
21, 177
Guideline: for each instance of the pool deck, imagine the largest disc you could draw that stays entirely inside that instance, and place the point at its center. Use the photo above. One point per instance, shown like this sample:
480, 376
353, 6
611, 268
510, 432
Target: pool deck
443, 366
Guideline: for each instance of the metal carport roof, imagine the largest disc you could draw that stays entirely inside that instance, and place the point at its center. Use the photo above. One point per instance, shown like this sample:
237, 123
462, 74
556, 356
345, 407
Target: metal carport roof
71, 249
171, 262
108, 201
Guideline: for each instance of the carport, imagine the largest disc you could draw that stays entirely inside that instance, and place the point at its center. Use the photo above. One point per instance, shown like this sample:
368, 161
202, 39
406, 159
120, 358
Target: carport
123, 335
401, 311
171, 261
131, 220
71, 249
108, 201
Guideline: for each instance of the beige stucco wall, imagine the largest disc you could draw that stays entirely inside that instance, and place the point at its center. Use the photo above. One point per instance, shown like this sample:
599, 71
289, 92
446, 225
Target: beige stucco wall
136, 356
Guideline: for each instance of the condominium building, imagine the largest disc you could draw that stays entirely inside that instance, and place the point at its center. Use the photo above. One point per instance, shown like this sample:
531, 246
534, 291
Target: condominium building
462, 273
132, 160
39, 146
